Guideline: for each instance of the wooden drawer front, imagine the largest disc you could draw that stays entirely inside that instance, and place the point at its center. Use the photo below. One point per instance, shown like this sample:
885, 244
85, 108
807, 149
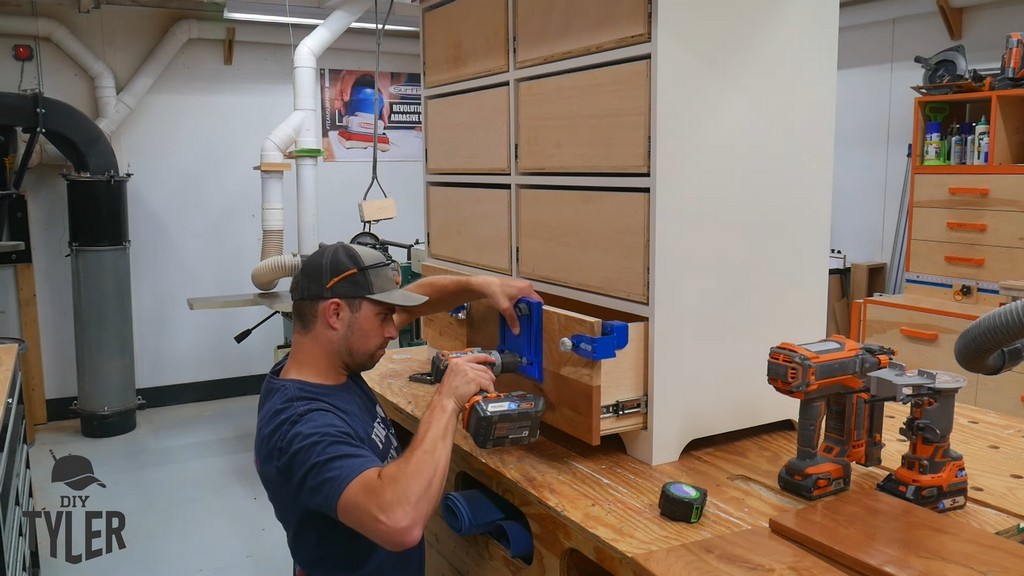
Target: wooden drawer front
547, 31
465, 39
471, 226
981, 191
988, 227
602, 248
468, 133
987, 263
575, 388
921, 340
1003, 393
596, 120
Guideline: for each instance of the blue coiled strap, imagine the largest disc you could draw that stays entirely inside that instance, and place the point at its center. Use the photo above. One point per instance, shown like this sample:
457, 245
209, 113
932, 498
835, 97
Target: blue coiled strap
481, 511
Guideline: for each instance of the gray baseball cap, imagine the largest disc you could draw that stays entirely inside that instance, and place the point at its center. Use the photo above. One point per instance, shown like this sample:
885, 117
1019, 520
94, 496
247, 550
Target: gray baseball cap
343, 270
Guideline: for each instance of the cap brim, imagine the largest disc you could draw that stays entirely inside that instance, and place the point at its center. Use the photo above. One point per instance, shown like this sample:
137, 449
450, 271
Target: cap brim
83, 482
399, 297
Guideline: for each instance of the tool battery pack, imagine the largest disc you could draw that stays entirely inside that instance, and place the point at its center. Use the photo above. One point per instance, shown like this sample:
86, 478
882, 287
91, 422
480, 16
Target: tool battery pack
504, 419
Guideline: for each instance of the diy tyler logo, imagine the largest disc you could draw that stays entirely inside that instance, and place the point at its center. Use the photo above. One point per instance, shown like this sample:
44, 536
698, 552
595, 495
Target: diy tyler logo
98, 532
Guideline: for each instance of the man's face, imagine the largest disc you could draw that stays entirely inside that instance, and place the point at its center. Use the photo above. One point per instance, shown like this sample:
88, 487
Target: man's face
367, 334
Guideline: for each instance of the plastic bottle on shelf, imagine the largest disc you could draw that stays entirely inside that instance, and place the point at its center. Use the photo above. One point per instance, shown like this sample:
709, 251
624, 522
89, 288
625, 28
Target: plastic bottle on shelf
956, 146
981, 142
933, 144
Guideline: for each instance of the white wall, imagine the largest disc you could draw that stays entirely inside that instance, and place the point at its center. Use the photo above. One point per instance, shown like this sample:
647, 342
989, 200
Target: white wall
194, 199
874, 114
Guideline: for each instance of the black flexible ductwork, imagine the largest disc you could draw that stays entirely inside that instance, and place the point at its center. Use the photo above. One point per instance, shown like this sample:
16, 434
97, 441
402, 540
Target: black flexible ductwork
100, 264
993, 343
70, 131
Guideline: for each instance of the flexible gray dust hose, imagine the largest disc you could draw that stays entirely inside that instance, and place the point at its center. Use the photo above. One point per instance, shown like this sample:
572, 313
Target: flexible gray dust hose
993, 343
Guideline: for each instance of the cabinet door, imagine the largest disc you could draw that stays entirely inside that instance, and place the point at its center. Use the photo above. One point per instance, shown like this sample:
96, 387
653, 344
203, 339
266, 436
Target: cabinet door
602, 247
464, 39
987, 227
976, 262
973, 191
548, 31
471, 226
921, 340
596, 121
1002, 393
468, 133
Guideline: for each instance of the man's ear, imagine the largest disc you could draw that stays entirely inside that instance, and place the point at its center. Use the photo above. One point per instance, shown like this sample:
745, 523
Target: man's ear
335, 313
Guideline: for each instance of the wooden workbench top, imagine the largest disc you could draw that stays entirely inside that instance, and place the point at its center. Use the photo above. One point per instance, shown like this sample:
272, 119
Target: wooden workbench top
614, 498
8, 358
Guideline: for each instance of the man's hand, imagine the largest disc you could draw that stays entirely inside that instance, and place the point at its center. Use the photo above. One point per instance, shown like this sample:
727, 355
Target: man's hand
503, 293
466, 376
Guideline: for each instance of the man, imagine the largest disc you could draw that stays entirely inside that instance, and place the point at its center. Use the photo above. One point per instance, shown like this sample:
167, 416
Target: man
325, 451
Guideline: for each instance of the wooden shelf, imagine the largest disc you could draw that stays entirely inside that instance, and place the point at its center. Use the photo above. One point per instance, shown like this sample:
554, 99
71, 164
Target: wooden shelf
975, 169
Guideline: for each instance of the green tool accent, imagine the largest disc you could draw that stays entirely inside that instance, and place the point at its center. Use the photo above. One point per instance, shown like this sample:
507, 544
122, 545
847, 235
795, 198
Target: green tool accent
936, 111
410, 335
309, 152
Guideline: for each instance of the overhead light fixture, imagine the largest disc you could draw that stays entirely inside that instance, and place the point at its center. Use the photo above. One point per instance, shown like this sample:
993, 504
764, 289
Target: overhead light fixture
305, 16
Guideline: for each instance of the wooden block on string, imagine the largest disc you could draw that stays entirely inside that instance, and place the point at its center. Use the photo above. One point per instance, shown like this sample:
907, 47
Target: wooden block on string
880, 535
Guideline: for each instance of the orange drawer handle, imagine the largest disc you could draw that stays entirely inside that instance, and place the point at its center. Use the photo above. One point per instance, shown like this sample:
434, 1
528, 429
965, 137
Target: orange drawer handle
964, 260
979, 226
955, 190
919, 334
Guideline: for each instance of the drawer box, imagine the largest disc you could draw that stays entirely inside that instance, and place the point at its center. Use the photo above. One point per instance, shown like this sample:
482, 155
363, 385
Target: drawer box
922, 338
988, 227
975, 262
471, 226
603, 248
575, 388
548, 31
596, 121
468, 133
464, 39
1002, 393
970, 191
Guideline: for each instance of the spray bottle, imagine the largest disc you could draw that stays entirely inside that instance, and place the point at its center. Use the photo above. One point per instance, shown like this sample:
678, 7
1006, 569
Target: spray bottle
933, 144
981, 142
956, 146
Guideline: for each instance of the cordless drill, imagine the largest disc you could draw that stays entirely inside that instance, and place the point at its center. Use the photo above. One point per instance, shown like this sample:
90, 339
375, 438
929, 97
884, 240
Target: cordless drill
500, 419
828, 378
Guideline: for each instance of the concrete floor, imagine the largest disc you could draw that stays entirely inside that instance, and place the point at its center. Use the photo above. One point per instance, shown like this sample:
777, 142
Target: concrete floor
185, 483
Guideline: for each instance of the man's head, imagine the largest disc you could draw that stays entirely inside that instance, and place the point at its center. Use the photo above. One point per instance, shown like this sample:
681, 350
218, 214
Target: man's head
349, 292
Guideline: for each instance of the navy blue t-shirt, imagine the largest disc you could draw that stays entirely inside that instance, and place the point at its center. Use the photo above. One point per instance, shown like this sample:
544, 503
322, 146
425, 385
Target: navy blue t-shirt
311, 441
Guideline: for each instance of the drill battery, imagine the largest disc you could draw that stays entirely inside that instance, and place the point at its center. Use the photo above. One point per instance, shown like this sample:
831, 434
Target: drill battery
503, 419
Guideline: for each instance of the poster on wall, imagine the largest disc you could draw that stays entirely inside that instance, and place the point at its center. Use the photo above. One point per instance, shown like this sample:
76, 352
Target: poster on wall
349, 115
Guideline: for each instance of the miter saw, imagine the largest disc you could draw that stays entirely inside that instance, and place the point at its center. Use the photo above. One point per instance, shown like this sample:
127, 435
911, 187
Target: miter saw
947, 71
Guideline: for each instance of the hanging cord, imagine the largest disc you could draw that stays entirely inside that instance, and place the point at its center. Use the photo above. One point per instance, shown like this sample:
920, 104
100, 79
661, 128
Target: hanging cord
376, 101
39, 54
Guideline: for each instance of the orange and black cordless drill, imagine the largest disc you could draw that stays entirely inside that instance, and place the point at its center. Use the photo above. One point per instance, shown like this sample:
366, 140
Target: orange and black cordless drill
500, 419
931, 474
828, 377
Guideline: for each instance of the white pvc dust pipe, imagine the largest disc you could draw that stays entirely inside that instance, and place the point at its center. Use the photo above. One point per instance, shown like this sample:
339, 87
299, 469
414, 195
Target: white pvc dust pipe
103, 77
302, 129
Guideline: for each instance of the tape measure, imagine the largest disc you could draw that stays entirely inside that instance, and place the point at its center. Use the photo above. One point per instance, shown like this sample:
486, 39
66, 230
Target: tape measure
682, 502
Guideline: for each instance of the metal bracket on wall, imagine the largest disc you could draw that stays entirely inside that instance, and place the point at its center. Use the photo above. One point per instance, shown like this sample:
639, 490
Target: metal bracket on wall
15, 247
529, 343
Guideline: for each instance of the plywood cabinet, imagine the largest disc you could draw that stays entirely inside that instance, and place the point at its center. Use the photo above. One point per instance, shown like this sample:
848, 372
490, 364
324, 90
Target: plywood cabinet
468, 133
966, 231
634, 195
593, 121
547, 31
